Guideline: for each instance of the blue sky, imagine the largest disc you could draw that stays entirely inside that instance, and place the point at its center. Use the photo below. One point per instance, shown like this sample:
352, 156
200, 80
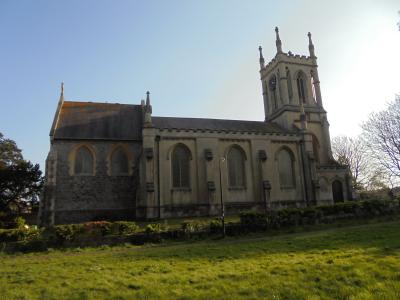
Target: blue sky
197, 58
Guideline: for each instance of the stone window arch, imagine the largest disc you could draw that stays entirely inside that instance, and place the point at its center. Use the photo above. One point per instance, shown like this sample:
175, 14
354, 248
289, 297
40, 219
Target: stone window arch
301, 80
180, 163
285, 160
236, 167
82, 161
119, 162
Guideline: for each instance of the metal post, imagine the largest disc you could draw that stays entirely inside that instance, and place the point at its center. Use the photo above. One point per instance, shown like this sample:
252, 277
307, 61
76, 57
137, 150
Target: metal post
222, 200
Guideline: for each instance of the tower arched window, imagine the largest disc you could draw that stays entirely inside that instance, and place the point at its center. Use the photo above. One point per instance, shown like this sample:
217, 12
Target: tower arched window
272, 87
301, 87
286, 169
236, 171
181, 167
84, 162
119, 162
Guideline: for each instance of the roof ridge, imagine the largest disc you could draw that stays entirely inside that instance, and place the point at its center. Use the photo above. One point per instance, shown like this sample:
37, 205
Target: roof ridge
196, 118
106, 103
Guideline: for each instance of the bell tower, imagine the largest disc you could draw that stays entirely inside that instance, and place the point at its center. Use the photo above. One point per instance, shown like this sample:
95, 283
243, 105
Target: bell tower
292, 96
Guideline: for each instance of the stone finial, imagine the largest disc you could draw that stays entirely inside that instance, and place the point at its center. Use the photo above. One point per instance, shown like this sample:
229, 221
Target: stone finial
147, 110
310, 45
147, 98
262, 61
62, 92
278, 41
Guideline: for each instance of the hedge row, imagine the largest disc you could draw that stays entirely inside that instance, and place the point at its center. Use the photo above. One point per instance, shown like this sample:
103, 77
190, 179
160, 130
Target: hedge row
320, 214
96, 233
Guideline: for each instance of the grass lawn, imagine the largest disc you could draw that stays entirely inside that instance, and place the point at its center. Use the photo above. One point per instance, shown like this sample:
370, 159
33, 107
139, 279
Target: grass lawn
359, 262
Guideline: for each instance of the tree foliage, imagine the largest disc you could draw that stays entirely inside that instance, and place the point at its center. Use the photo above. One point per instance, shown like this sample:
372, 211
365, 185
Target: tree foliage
352, 152
20, 180
382, 135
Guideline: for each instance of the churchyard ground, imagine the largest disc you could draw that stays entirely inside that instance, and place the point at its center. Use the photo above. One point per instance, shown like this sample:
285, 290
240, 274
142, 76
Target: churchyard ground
356, 262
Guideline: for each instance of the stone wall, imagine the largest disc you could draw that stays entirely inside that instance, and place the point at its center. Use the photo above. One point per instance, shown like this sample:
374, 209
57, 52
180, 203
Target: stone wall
81, 198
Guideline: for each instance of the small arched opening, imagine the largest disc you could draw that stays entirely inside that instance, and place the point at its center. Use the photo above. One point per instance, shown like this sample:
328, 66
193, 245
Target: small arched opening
337, 191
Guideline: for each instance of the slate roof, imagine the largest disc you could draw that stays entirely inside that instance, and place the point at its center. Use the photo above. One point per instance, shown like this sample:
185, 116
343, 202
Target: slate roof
114, 121
88, 120
217, 124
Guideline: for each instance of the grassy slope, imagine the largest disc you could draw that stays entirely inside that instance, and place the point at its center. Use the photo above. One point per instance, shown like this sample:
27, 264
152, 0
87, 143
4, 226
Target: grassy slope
360, 262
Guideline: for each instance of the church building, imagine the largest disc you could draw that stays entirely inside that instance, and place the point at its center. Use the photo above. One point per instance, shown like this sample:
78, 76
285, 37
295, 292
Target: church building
111, 161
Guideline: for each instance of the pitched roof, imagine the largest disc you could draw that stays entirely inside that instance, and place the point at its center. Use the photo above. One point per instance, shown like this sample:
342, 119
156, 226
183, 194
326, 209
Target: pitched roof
114, 121
217, 124
88, 120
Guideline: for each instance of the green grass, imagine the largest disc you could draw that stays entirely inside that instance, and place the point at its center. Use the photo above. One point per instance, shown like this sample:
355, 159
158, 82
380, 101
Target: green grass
359, 262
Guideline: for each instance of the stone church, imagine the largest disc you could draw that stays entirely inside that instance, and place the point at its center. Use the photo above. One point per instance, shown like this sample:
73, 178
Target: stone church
111, 161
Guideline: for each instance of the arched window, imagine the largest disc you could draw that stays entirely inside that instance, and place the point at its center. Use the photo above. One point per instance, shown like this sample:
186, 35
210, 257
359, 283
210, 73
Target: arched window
83, 164
301, 87
236, 173
119, 162
181, 167
272, 83
286, 169
289, 85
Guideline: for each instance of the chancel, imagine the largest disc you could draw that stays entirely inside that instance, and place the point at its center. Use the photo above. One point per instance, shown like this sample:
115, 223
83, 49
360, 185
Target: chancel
118, 161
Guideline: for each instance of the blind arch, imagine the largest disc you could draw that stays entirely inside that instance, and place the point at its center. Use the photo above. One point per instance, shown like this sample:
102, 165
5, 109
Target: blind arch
84, 161
236, 167
119, 162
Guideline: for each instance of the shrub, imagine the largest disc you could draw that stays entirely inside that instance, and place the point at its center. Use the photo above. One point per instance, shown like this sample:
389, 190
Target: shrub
311, 216
215, 226
20, 234
190, 226
66, 232
8, 221
254, 221
19, 222
97, 227
154, 228
123, 228
288, 217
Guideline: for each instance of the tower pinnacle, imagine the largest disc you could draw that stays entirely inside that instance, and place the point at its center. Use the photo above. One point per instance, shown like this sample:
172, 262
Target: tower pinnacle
262, 61
147, 111
310, 45
278, 41
147, 98
62, 92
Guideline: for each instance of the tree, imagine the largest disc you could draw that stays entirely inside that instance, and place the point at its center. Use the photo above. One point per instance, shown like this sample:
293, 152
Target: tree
9, 152
382, 135
352, 152
20, 181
